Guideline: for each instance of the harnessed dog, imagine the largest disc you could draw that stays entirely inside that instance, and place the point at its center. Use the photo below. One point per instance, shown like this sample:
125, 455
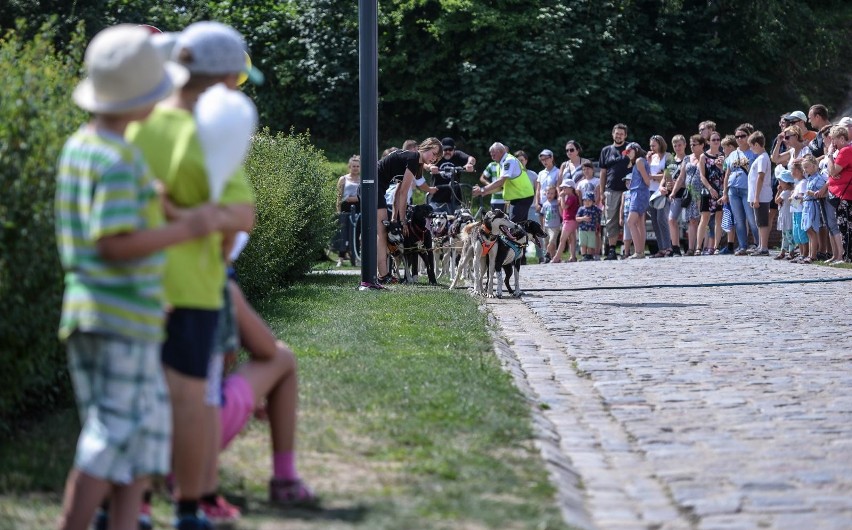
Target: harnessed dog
441, 248
509, 254
406, 249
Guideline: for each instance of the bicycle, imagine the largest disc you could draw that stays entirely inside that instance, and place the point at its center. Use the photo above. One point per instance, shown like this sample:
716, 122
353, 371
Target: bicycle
353, 242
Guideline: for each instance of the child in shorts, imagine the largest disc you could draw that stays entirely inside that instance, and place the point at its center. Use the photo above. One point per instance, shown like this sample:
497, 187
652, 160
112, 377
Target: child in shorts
110, 232
785, 216
589, 219
552, 221
195, 273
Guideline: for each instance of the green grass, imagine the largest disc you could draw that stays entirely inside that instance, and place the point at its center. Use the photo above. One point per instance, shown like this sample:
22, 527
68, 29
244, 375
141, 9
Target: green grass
406, 421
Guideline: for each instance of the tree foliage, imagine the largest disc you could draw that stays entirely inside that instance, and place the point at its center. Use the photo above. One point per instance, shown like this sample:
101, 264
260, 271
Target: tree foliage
531, 74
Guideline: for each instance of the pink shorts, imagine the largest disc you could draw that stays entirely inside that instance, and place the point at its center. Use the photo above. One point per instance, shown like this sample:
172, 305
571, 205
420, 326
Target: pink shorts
237, 407
569, 226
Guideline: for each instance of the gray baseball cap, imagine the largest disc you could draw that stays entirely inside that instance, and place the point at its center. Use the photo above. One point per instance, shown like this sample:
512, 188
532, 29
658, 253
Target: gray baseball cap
214, 49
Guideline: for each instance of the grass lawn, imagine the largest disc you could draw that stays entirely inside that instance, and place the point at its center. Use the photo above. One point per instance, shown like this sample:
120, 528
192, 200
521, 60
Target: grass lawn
406, 421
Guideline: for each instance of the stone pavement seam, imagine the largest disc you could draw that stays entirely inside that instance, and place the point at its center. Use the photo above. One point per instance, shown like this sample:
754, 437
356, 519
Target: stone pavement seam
597, 448
570, 498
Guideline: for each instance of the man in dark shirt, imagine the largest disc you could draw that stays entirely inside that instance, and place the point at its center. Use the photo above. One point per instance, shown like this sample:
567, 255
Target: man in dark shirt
613, 170
447, 199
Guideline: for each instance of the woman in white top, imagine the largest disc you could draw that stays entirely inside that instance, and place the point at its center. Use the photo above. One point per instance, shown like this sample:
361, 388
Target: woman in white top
792, 137
657, 160
348, 196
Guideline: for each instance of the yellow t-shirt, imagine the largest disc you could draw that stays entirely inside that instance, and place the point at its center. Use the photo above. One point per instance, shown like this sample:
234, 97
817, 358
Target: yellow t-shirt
195, 271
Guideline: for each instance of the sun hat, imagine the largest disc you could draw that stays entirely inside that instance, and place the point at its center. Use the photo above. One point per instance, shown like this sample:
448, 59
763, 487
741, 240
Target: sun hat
786, 176
631, 145
796, 115
212, 48
125, 72
448, 143
845, 121
568, 183
546, 152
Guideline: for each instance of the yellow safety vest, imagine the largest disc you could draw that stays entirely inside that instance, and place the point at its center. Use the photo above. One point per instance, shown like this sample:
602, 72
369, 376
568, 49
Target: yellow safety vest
519, 187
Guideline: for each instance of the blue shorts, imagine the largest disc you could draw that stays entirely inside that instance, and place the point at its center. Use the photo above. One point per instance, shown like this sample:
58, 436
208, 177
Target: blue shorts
190, 335
639, 201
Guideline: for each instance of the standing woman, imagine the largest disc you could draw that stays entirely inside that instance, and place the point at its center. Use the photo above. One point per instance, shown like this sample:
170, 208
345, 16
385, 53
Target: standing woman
675, 201
573, 167
735, 188
692, 177
657, 160
348, 196
840, 185
711, 209
406, 164
639, 196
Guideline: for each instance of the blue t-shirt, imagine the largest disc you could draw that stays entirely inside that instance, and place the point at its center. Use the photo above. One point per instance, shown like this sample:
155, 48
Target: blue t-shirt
550, 211
739, 163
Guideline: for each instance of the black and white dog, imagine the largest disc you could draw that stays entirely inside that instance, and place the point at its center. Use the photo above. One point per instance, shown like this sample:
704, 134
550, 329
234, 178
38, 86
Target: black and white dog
406, 249
509, 253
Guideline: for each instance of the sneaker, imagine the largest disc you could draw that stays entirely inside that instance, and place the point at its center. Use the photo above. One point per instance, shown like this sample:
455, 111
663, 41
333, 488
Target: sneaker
339, 262
760, 253
610, 256
193, 522
741, 252
388, 279
221, 512
546, 258
291, 494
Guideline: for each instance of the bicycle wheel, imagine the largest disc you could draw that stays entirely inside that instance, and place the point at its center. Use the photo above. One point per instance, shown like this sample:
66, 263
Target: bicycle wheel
355, 239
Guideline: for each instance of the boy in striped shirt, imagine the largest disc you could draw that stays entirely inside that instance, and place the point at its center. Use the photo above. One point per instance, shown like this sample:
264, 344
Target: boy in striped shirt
110, 235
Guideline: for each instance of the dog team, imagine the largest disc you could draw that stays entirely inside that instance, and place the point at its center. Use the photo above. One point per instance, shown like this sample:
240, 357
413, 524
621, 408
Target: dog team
138, 233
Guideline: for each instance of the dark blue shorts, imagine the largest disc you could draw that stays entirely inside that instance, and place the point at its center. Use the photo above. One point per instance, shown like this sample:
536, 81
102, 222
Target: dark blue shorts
190, 335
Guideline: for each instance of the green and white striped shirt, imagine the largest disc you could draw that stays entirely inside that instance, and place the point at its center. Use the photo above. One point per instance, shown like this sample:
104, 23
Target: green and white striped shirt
104, 188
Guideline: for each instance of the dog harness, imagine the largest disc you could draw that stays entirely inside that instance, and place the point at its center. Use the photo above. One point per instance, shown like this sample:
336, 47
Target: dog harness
512, 245
487, 246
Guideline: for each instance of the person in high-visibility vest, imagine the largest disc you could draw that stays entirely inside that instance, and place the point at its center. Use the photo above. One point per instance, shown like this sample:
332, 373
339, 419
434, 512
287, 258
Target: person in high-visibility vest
518, 192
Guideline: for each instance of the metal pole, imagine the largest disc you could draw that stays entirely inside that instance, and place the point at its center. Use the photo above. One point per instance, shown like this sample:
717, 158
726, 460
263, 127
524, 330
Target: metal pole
368, 68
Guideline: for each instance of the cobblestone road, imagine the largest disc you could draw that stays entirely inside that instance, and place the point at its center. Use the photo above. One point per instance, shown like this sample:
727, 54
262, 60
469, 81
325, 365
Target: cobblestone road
706, 408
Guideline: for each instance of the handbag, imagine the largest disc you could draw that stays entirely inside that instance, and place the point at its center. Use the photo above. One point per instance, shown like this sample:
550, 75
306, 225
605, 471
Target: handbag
727, 218
687, 199
834, 200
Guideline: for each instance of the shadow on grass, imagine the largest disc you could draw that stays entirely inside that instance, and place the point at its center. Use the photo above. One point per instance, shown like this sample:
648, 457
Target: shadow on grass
347, 514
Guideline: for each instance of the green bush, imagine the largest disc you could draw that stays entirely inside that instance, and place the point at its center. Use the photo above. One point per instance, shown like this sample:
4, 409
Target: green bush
295, 194
36, 116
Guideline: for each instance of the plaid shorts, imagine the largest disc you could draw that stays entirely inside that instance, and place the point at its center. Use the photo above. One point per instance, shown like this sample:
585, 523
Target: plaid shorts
124, 407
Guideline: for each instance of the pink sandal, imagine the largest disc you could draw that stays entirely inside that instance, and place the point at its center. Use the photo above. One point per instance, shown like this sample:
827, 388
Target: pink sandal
292, 494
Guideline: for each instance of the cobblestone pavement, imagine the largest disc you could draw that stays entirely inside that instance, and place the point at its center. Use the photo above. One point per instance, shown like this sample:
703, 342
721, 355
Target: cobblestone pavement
706, 408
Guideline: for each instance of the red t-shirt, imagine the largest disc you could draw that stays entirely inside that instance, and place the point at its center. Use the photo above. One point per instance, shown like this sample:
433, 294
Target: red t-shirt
569, 207
842, 187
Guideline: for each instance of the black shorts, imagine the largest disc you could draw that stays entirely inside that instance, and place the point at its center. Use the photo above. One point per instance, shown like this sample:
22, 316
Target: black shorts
762, 215
190, 334
521, 209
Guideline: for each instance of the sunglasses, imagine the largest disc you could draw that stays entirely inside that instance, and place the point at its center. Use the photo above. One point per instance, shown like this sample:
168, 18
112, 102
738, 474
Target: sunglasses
449, 150
570, 150
788, 136
740, 136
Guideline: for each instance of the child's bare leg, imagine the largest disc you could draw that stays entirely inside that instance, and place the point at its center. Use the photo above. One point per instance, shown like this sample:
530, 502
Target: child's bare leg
190, 417
272, 376
572, 245
83, 494
211, 469
813, 244
125, 503
563, 240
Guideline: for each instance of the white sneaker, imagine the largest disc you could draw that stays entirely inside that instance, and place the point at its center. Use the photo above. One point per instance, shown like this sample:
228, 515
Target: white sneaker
339, 262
